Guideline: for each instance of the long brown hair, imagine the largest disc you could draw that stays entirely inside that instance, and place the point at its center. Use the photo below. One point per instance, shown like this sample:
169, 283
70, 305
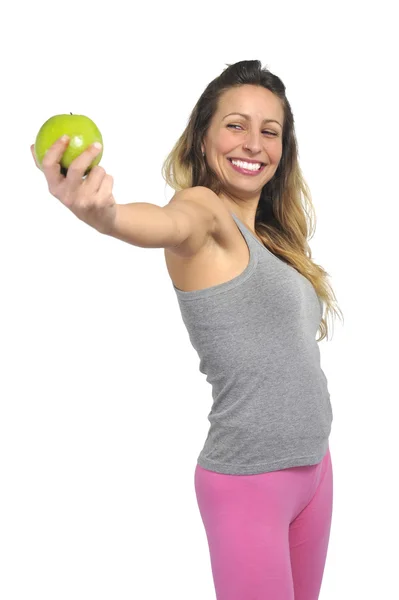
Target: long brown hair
282, 221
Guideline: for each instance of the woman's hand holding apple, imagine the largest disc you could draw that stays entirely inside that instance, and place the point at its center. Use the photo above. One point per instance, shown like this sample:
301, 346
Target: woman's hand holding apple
91, 199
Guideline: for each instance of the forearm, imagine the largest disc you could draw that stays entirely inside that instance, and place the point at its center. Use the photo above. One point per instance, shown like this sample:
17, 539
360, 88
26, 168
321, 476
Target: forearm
143, 224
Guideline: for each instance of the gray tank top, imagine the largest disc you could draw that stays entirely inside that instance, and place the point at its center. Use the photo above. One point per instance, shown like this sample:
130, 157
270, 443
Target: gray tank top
255, 336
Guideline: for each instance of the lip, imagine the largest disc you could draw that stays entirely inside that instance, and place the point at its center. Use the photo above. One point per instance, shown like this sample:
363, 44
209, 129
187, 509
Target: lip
254, 162
248, 172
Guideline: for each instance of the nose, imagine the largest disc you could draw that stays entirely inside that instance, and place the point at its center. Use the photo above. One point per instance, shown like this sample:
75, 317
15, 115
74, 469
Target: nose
253, 141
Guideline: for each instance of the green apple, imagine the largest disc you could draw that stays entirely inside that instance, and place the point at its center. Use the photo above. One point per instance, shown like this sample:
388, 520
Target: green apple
82, 132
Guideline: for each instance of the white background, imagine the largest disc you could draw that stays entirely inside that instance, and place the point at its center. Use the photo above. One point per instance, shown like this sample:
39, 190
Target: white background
103, 408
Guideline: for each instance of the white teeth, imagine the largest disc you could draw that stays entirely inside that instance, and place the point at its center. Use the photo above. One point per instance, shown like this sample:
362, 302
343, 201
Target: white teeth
245, 165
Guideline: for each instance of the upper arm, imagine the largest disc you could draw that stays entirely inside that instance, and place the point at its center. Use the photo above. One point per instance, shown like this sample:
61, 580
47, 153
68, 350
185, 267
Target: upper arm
195, 213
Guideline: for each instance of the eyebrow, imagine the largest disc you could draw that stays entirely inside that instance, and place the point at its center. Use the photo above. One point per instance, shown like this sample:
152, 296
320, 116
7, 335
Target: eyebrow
248, 117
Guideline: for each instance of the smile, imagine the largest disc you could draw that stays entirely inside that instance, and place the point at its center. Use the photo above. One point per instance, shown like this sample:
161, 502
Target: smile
247, 169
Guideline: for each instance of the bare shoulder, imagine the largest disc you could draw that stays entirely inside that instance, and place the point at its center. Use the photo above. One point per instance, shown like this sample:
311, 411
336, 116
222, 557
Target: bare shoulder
208, 218
224, 233
207, 259
201, 195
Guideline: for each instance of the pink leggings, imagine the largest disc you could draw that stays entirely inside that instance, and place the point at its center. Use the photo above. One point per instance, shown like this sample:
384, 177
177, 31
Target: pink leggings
268, 533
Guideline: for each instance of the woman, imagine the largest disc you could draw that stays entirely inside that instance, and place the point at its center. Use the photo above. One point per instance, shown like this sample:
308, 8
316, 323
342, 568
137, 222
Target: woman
235, 242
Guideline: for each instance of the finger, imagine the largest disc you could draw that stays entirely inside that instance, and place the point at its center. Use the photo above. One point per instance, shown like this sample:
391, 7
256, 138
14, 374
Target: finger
94, 179
79, 166
105, 191
51, 163
103, 197
32, 149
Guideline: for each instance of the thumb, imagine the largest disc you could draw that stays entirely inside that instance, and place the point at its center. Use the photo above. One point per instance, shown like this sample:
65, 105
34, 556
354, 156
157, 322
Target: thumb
32, 149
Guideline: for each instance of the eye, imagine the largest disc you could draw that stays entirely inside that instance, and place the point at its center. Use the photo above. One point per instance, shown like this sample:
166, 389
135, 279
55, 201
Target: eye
269, 132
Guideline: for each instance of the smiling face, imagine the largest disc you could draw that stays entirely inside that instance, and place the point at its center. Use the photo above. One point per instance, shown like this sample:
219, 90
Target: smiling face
256, 137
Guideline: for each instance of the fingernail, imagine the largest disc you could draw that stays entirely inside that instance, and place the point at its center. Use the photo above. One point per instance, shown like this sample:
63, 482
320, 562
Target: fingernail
97, 145
64, 138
